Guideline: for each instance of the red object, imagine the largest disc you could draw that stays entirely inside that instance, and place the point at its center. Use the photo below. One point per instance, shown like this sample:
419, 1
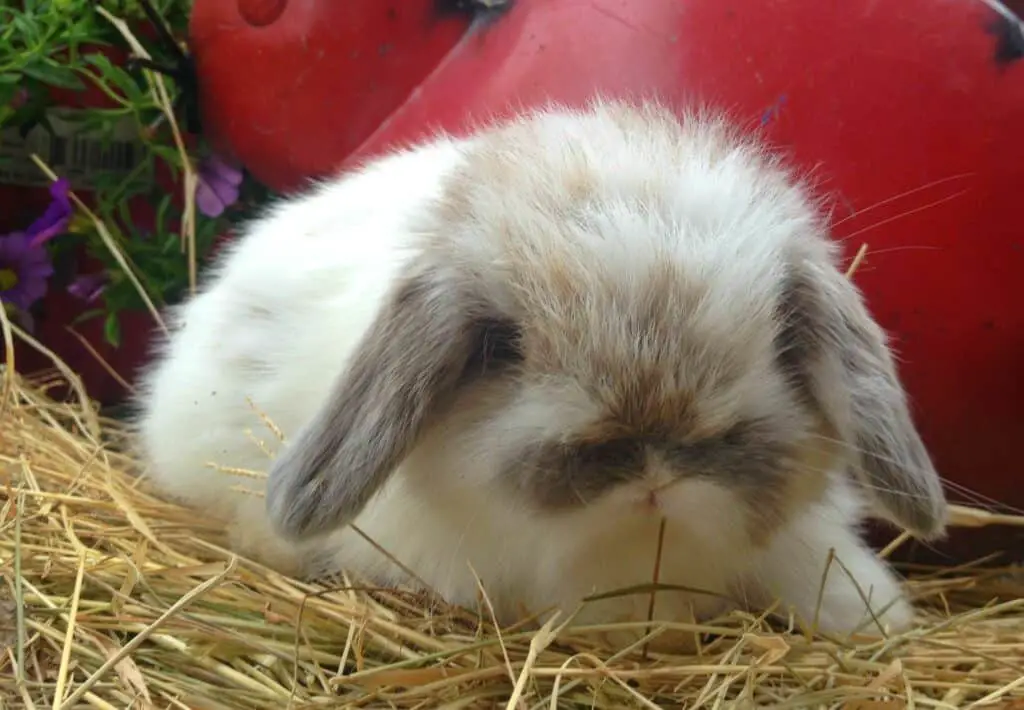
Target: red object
910, 115
276, 73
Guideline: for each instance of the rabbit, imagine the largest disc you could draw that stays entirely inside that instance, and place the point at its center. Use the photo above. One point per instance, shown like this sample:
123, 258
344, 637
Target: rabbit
499, 360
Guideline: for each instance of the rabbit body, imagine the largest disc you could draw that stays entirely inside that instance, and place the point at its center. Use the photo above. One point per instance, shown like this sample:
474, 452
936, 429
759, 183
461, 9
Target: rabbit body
506, 358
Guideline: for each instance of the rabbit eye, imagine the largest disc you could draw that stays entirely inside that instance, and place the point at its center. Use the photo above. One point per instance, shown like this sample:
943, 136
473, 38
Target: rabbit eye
566, 475
497, 346
500, 343
620, 453
748, 450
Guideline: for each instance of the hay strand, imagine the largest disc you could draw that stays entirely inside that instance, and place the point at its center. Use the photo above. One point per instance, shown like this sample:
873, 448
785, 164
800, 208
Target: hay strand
113, 598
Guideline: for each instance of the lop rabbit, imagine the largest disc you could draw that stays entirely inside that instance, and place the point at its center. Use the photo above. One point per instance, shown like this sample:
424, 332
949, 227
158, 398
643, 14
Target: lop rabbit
512, 354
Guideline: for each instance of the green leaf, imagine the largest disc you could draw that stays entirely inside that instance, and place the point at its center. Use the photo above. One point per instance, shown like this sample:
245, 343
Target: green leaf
168, 153
172, 243
161, 214
29, 30
112, 330
125, 211
88, 315
118, 77
7, 92
54, 74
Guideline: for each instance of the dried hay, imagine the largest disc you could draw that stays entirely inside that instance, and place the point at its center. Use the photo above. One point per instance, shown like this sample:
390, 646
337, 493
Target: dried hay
112, 599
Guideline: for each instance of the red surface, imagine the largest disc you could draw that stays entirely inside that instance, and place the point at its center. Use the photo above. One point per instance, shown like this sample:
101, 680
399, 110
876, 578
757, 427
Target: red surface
296, 94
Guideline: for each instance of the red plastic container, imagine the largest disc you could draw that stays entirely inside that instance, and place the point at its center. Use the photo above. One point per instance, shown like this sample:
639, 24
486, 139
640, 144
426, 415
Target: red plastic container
295, 87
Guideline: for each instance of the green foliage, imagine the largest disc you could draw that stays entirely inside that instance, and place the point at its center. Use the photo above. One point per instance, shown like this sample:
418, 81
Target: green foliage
55, 46
41, 46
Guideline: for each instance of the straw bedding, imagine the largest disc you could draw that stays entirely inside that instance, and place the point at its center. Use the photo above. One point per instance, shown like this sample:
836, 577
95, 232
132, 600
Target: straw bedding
110, 598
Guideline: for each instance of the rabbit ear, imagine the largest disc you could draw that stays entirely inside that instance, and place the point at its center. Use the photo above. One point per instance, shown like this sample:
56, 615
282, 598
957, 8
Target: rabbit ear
407, 365
840, 357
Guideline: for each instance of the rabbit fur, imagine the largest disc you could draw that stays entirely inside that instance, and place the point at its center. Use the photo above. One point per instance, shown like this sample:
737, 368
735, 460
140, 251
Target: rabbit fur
510, 355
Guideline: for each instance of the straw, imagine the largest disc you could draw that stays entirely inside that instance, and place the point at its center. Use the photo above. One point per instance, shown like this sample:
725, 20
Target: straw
123, 600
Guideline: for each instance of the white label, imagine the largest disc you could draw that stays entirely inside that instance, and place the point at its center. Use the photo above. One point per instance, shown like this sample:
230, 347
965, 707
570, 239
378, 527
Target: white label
73, 153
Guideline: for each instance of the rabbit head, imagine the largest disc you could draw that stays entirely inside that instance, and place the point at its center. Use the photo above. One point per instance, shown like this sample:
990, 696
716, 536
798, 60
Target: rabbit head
605, 309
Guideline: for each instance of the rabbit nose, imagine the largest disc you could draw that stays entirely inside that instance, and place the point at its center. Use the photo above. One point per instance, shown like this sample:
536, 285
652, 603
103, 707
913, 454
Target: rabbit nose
658, 478
646, 502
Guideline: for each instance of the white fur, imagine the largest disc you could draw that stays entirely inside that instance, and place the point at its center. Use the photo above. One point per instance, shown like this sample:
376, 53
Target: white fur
277, 316
285, 308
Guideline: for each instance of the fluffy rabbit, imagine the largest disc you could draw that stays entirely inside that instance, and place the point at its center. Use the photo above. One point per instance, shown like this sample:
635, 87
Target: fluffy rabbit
511, 355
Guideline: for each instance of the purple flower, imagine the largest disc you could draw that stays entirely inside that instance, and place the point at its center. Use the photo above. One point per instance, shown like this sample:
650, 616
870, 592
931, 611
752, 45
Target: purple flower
56, 218
19, 99
25, 269
25, 264
219, 185
88, 287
